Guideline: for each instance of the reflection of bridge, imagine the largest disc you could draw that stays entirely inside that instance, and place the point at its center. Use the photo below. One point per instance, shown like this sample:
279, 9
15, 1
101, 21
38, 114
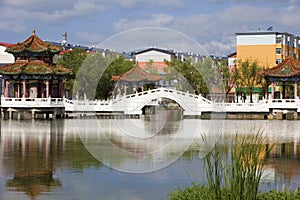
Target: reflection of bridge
133, 104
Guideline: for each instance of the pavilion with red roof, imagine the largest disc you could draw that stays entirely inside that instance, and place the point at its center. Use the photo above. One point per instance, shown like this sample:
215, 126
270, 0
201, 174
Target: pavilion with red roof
34, 74
285, 73
136, 78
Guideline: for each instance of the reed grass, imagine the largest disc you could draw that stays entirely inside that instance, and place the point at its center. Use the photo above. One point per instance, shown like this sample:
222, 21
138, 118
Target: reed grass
234, 174
239, 175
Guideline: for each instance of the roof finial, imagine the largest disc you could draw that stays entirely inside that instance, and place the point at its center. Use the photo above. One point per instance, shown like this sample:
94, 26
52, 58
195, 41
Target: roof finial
33, 31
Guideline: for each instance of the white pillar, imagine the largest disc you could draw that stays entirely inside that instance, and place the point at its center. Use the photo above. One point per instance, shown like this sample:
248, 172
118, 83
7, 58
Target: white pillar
47, 88
24, 88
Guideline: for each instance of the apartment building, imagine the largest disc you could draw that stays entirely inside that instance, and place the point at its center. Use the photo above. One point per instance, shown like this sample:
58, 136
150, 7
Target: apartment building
268, 48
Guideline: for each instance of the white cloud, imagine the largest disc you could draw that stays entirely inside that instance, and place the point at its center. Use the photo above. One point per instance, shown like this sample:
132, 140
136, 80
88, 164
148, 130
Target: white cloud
11, 26
220, 47
158, 20
57, 11
140, 38
216, 31
131, 4
89, 38
213, 29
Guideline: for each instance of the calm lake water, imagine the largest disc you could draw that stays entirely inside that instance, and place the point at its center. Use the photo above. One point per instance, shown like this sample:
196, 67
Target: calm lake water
129, 158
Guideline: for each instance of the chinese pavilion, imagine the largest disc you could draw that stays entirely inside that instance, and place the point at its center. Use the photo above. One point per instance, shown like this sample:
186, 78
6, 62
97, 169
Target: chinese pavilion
135, 79
284, 74
34, 74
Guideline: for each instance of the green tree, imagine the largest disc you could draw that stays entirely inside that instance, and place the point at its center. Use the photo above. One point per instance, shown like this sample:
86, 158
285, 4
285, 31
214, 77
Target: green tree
248, 76
212, 80
106, 85
90, 73
188, 76
230, 76
73, 60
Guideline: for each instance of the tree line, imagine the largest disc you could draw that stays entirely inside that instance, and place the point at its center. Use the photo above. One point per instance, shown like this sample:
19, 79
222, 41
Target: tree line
93, 72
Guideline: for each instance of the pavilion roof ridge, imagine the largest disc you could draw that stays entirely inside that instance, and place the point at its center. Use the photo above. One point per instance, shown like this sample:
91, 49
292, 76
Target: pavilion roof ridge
33, 44
138, 74
288, 68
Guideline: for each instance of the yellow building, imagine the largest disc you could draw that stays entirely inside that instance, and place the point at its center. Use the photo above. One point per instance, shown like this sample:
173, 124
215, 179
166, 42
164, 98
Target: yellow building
268, 48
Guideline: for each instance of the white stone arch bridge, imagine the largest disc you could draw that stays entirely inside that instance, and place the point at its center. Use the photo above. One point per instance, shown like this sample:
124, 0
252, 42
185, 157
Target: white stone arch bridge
190, 103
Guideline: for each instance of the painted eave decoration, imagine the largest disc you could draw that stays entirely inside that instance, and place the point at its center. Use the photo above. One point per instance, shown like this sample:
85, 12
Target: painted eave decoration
288, 68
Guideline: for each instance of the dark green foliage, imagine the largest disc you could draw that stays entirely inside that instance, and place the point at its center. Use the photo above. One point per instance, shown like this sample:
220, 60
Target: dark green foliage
194, 192
93, 72
284, 195
72, 60
230, 76
248, 78
106, 85
190, 75
198, 192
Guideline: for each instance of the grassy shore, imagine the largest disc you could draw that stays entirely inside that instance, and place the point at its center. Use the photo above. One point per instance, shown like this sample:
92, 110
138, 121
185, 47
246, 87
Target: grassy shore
236, 175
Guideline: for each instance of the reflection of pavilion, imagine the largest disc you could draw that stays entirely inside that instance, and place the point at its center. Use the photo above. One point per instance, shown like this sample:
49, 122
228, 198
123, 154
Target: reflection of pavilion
29, 156
284, 159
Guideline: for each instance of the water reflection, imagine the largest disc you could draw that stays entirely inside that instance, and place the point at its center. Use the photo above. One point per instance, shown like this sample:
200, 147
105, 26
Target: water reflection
33, 150
284, 161
38, 157
26, 156
144, 145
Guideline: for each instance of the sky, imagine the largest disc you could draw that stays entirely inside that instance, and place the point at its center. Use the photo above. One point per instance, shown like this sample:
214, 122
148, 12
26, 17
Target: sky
211, 23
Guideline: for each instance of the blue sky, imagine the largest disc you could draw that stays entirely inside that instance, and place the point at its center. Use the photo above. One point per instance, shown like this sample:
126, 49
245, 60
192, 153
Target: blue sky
212, 23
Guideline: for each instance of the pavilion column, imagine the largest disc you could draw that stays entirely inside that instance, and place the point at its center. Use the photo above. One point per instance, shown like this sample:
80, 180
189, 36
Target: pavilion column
142, 88
6, 88
273, 90
41, 89
15, 90
24, 88
47, 88
125, 90
296, 90
51, 88
60, 89
283, 90
267, 90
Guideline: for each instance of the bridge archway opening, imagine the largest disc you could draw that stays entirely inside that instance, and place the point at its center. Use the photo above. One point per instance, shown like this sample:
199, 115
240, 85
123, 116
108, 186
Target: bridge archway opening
159, 104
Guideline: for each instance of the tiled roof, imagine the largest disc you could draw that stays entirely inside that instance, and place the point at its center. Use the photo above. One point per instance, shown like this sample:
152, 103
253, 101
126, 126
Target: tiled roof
32, 68
288, 68
5, 44
33, 44
137, 74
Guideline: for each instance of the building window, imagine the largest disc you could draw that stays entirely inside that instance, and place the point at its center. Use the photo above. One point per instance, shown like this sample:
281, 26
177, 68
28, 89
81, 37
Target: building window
278, 51
278, 40
278, 61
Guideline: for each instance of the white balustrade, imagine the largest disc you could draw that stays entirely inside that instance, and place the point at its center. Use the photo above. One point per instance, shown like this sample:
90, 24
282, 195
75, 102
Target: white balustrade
31, 102
133, 103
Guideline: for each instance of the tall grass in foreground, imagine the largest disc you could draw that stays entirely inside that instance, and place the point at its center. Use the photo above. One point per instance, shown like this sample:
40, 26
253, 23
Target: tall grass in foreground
236, 175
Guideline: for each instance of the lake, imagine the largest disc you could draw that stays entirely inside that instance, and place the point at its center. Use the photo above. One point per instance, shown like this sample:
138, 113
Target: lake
129, 158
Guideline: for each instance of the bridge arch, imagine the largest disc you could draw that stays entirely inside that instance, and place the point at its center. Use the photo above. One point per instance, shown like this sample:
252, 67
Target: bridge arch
190, 103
